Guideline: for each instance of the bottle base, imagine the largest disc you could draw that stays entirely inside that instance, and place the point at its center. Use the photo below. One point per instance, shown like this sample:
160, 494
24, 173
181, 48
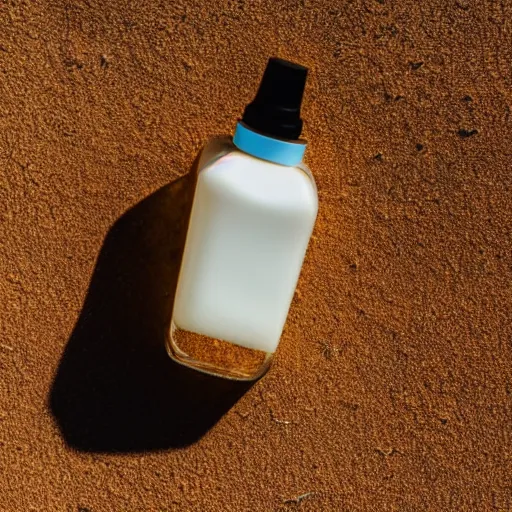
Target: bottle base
216, 357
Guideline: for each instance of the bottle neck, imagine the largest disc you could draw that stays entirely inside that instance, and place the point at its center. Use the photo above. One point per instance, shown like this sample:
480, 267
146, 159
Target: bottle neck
279, 151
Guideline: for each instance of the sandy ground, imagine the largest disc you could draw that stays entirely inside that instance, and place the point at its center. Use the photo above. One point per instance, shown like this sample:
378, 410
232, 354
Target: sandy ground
392, 388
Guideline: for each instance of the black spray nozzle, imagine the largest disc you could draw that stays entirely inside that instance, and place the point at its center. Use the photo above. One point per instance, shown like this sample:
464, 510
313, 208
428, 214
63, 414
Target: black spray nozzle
275, 111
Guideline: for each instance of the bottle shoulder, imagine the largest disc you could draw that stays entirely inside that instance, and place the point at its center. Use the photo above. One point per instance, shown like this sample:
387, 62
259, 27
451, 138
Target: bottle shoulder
215, 149
227, 170
219, 148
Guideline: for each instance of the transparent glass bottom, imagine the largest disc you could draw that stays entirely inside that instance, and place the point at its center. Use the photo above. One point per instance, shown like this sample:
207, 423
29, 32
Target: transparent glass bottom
216, 357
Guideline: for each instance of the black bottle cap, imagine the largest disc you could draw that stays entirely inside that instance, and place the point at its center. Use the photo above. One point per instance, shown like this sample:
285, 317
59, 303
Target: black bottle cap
275, 111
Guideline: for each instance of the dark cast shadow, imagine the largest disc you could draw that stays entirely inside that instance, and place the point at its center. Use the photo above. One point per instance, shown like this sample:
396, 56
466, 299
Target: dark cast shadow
116, 389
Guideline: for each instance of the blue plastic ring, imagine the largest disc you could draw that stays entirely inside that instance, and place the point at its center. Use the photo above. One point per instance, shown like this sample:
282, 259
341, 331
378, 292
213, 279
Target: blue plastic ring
275, 150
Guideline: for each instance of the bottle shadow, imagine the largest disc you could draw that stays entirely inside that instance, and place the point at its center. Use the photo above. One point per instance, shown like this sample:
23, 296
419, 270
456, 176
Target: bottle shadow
116, 389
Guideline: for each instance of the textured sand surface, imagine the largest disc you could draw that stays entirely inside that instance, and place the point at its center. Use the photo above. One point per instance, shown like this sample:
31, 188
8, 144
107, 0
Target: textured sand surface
392, 388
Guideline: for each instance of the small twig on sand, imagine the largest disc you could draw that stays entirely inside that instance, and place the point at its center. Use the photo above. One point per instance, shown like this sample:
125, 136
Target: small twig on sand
297, 500
281, 422
6, 347
276, 420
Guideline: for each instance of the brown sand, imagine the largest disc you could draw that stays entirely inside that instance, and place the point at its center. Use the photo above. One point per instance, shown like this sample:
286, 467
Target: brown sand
392, 388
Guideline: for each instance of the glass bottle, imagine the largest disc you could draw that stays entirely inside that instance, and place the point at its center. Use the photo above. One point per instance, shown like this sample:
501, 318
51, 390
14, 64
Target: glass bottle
253, 213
